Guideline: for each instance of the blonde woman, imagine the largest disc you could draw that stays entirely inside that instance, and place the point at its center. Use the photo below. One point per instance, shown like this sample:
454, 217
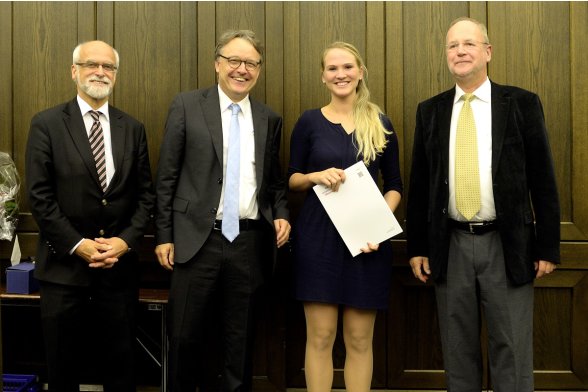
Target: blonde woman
328, 279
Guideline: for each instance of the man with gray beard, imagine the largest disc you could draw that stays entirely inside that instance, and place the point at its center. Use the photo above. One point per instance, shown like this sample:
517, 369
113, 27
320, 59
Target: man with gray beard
90, 191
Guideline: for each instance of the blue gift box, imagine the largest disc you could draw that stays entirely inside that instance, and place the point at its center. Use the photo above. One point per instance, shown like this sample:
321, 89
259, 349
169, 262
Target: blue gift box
20, 383
20, 280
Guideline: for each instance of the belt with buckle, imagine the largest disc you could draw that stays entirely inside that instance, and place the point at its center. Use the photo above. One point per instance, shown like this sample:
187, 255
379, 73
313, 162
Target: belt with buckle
244, 224
475, 228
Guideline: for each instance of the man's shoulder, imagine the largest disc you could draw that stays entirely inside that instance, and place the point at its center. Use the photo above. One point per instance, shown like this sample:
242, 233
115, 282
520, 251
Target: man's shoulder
513, 91
198, 93
441, 97
57, 109
197, 96
262, 107
124, 116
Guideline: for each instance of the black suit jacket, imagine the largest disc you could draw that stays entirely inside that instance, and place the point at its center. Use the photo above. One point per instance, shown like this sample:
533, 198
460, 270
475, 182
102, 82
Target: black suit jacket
66, 198
190, 170
524, 186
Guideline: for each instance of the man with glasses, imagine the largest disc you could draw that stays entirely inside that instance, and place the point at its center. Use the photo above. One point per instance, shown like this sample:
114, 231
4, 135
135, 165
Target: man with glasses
221, 213
90, 191
482, 215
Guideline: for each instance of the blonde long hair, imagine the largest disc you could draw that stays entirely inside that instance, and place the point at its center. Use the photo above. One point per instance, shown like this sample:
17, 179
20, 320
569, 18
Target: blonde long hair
370, 134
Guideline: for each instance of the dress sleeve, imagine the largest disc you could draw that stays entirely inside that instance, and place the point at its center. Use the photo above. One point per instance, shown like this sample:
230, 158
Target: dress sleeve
390, 162
300, 146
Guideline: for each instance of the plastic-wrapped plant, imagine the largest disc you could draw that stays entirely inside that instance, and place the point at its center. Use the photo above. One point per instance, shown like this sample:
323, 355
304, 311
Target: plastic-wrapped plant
9, 187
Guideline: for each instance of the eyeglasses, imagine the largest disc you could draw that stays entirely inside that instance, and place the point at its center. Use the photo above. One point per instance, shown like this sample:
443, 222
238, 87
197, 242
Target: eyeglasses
107, 67
235, 62
468, 46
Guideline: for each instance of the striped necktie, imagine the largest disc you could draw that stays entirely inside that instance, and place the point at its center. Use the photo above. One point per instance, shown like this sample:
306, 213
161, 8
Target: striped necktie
467, 172
97, 146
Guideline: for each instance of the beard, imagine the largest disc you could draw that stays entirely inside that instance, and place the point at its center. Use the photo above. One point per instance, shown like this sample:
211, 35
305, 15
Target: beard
96, 91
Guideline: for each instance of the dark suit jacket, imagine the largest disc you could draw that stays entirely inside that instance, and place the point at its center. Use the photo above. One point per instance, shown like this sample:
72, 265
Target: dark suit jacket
190, 171
65, 195
523, 183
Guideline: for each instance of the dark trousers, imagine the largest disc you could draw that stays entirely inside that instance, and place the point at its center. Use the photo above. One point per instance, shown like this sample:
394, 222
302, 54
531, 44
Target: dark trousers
222, 274
476, 278
89, 330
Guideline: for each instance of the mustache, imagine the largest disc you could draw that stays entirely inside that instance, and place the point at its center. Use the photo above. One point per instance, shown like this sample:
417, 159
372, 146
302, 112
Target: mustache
99, 79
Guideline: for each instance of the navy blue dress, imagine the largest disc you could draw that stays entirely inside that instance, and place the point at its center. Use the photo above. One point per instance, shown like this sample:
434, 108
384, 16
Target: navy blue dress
325, 271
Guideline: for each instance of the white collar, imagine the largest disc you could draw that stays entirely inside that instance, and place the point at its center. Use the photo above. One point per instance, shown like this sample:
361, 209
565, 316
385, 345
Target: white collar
225, 102
85, 108
483, 93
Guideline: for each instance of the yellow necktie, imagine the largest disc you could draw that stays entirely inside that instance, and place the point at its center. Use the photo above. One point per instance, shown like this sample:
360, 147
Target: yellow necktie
467, 173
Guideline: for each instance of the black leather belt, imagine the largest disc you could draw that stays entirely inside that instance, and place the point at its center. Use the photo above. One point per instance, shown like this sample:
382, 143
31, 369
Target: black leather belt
244, 224
475, 228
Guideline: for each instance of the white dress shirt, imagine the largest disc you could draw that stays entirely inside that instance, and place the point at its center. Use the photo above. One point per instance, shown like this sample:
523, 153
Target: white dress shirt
482, 109
248, 208
85, 108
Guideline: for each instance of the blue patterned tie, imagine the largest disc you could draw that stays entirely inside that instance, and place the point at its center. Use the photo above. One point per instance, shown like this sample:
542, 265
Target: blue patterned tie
230, 228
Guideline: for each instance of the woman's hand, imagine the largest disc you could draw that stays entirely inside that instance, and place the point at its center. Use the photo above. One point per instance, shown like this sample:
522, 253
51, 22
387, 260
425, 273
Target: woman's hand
370, 248
332, 178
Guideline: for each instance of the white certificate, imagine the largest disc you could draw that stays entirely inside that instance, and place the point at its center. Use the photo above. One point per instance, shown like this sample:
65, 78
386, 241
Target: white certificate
358, 210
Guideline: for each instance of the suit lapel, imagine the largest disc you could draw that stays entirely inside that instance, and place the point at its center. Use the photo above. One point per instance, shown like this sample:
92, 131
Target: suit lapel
117, 139
75, 126
210, 105
444, 111
260, 130
500, 106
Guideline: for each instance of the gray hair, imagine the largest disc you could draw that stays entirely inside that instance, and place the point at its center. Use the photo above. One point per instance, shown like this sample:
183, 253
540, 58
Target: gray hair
247, 35
76, 53
480, 25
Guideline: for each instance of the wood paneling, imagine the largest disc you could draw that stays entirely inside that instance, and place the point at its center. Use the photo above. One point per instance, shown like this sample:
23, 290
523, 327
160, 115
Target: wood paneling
578, 141
44, 35
274, 61
291, 73
560, 333
394, 79
168, 47
539, 60
243, 15
6, 44
206, 42
148, 39
188, 49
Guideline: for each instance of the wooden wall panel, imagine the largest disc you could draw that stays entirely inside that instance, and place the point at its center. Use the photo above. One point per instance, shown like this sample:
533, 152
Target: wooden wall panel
414, 346
189, 59
86, 24
579, 118
104, 25
5, 100
537, 63
320, 24
374, 53
45, 35
274, 56
292, 73
206, 43
560, 332
6, 103
425, 67
168, 47
243, 15
393, 79
147, 37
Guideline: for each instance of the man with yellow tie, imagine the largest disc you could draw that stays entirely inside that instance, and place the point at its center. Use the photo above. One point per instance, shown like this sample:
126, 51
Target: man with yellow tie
483, 214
